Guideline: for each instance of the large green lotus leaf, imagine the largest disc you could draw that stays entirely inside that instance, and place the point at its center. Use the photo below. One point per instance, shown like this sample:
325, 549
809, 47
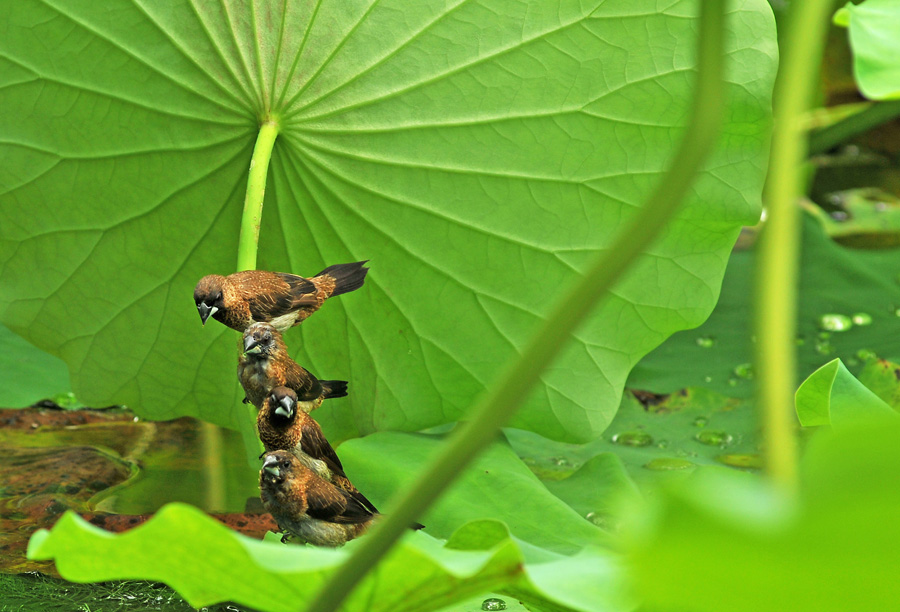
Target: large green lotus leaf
28, 374
833, 280
208, 563
497, 485
875, 39
723, 540
833, 396
478, 153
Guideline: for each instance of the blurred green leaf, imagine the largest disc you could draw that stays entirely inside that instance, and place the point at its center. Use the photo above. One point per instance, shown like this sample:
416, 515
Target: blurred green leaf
833, 396
28, 374
722, 540
834, 281
477, 153
208, 563
875, 39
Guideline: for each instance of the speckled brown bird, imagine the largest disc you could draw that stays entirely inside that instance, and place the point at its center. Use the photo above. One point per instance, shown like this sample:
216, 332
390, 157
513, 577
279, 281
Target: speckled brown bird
284, 300
308, 507
265, 364
282, 426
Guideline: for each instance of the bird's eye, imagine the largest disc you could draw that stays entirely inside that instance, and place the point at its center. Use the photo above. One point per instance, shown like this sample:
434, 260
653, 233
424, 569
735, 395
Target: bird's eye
286, 464
218, 296
267, 336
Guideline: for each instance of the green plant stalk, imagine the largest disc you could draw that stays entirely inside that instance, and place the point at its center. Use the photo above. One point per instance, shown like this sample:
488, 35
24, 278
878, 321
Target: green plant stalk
248, 243
826, 138
256, 192
779, 242
504, 398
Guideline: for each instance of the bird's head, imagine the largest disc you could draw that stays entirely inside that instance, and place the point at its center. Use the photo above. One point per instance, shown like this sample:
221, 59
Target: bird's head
284, 404
260, 340
209, 296
278, 466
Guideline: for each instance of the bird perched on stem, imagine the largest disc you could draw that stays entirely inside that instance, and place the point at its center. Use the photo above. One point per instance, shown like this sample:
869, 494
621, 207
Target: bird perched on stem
284, 300
282, 426
306, 506
265, 364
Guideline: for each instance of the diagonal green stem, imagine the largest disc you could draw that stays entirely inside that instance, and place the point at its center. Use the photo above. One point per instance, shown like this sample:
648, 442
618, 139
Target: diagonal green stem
778, 246
495, 409
256, 192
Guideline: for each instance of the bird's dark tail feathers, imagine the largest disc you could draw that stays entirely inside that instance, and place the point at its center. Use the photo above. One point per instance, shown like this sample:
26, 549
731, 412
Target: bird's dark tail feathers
347, 277
334, 388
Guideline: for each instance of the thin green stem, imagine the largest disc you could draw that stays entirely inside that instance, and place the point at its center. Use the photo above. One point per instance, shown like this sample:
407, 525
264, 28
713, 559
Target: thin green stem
501, 402
256, 191
779, 242
826, 138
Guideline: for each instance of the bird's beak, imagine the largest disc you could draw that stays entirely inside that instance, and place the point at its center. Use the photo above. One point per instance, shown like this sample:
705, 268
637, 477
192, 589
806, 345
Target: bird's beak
285, 408
206, 311
251, 346
270, 467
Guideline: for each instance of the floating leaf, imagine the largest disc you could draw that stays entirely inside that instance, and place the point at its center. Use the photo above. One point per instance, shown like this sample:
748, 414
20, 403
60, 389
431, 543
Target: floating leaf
833, 279
477, 153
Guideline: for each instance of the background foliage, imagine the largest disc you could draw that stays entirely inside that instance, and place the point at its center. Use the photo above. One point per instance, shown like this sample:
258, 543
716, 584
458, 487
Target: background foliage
472, 151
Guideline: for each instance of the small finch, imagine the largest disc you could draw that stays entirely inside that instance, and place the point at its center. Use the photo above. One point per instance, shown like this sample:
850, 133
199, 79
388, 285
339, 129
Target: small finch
308, 507
284, 300
265, 364
282, 426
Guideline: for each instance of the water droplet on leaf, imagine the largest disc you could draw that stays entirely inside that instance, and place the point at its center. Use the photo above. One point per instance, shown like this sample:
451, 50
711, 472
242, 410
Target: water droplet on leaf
862, 318
712, 437
706, 341
741, 460
824, 348
493, 603
744, 370
835, 322
700, 421
664, 464
633, 438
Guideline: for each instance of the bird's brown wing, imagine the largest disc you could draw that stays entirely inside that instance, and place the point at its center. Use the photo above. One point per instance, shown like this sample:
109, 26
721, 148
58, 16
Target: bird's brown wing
305, 385
301, 291
314, 444
326, 502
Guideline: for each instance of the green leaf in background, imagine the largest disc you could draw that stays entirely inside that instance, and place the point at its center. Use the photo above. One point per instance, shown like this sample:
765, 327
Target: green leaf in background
832, 396
208, 563
882, 377
27, 374
875, 39
662, 439
855, 285
722, 540
476, 153
497, 485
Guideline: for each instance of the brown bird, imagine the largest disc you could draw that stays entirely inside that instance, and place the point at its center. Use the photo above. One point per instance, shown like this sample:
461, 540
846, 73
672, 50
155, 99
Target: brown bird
265, 364
284, 300
282, 426
306, 506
